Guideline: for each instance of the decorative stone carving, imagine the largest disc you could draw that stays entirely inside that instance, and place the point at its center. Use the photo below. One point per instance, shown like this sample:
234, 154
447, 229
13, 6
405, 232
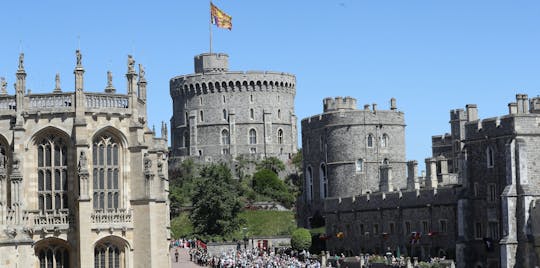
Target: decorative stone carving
57, 88
147, 163
79, 57
131, 64
82, 161
21, 61
11, 232
3, 86
142, 73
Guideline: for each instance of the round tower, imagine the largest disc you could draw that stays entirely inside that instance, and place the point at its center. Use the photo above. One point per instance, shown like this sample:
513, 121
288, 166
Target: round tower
348, 151
221, 114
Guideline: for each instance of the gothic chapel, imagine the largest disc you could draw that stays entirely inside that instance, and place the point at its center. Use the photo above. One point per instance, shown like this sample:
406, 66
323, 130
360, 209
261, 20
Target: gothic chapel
83, 179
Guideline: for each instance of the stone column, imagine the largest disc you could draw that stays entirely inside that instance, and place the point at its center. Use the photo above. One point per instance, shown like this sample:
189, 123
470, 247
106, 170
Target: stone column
431, 166
16, 182
3, 194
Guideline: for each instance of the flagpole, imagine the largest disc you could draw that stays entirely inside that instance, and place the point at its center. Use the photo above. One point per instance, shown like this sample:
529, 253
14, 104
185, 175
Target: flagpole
210, 27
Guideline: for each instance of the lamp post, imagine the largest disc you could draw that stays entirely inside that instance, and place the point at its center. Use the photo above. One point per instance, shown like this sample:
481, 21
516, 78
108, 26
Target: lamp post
244, 231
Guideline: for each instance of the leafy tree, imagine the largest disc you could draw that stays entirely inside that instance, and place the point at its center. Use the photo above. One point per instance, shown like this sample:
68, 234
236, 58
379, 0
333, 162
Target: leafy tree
267, 183
297, 160
301, 239
272, 163
182, 181
215, 202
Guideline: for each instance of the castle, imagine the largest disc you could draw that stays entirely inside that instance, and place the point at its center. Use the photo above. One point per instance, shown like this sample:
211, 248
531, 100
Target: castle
219, 114
83, 180
476, 203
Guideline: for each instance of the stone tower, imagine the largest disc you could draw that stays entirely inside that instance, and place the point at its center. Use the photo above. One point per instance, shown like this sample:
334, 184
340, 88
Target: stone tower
219, 114
348, 151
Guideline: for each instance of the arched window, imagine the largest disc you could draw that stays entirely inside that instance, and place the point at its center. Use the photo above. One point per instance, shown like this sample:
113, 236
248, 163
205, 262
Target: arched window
386, 161
252, 136
52, 174
223, 98
359, 165
200, 100
370, 141
280, 136
251, 98
251, 114
108, 255
53, 256
309, 185
490, 157
186, 139
279, 114
225, 140
106, 173
384, 140
201, 116
323, 181
224, 114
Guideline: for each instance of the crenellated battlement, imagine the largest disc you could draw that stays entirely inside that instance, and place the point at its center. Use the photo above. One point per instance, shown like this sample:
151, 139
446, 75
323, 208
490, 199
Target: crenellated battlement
207, 83
338, 104
391, 200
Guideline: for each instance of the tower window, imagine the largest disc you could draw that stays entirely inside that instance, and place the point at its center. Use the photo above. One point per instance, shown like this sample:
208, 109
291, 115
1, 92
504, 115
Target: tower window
279, 114
370, 141
225, 139
323, 181
223, 97
490, 157
201, 116
359, 166
224, 114
280, 136
252, 136
384, 140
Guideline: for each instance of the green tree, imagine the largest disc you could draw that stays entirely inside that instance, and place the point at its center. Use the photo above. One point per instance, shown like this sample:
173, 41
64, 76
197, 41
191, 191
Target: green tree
272, 163
301, 239
267, 183
215, 202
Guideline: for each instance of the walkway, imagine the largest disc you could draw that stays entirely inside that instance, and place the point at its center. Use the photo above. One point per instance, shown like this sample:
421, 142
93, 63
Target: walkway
183, 259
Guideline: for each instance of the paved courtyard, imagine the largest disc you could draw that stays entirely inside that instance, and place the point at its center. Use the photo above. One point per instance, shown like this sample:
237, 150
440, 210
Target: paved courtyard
183, 259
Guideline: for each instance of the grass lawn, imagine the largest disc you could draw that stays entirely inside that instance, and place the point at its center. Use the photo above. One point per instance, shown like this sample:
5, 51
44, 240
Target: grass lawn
258, 223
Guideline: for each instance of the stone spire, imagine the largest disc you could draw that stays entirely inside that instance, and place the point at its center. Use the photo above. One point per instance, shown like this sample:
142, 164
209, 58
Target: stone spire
164, 130
57, 88
3, 86
110, 88
142, 83
79, 72
131, 75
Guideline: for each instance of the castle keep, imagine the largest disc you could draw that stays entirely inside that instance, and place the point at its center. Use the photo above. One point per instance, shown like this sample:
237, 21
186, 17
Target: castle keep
220, 114
83, 180
476, 202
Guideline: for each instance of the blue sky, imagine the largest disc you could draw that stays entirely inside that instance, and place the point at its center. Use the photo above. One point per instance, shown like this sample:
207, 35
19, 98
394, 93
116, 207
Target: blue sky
432, 56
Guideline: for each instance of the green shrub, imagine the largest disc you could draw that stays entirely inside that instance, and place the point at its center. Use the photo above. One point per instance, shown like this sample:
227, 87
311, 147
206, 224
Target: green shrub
301, 239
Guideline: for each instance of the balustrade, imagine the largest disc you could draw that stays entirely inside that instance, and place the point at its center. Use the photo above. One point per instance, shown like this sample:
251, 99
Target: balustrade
49, 218
8, 103
106, 101
51, 101
111, 216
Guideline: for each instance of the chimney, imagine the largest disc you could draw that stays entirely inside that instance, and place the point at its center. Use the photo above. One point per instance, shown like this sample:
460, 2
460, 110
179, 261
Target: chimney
431, 166
412, 173
512, 108
393, 106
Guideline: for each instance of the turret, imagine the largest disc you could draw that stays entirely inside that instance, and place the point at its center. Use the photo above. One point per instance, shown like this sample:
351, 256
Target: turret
339, 104
211, 63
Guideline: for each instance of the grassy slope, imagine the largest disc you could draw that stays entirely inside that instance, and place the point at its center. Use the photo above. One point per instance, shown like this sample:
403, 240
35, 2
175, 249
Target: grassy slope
258, 223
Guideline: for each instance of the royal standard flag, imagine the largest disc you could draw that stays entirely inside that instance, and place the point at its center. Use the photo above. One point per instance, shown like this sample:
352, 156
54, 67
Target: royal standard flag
220, 18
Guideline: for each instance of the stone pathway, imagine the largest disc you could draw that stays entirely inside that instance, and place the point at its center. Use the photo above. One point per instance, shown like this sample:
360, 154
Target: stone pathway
183, 259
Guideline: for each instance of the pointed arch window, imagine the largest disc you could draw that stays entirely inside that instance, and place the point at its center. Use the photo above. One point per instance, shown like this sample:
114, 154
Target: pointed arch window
106, 173
384, 140
370, 141
252, 136
225, 139
280, 136
323, 181
108, 255
53, 256
52, 174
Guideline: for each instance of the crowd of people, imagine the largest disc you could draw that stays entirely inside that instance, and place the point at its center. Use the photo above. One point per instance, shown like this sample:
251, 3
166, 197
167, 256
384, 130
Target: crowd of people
245, 258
